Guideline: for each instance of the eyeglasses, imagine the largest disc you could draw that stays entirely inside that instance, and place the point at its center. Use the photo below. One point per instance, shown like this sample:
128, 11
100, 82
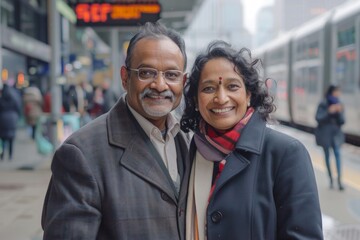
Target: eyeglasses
150, 74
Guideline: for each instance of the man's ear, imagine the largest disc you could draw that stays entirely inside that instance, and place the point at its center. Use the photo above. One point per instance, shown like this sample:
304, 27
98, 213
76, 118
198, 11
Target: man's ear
124, 76
185, 78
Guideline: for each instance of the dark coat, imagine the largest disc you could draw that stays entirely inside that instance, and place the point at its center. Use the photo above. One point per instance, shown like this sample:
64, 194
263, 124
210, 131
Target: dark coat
109, 182
10, 110
267, 189
328, 132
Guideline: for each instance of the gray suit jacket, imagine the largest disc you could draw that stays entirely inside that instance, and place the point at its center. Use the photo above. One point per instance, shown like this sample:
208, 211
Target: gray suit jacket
109, 182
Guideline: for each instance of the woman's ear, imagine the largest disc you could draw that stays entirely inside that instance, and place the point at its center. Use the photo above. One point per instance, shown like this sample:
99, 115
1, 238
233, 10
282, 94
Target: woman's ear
248, 99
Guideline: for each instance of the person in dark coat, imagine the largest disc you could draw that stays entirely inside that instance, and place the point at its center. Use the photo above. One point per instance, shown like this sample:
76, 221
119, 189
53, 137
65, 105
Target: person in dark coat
248, 181
10, 110
124, 175
330, 117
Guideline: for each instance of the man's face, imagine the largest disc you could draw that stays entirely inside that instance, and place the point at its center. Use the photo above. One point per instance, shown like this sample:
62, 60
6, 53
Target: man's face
154, 99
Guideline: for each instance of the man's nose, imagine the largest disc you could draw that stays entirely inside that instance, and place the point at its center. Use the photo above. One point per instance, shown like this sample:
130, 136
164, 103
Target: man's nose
159, 82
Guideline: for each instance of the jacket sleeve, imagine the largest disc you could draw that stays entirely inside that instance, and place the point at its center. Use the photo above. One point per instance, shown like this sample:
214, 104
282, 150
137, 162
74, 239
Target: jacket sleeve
321, 113
341, 118
296, 196
72, 204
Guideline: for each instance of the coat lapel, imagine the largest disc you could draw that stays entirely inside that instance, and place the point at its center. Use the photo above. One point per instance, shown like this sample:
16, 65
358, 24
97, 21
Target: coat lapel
250, 142
140, 156
182, 154
234, 165
143, 160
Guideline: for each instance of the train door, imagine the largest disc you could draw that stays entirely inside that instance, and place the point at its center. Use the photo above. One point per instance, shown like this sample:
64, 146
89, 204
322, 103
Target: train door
345, 74
314, 76
307, 76
277, 69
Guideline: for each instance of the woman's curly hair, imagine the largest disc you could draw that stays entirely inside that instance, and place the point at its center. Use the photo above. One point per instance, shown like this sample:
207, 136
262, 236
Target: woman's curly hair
260, 100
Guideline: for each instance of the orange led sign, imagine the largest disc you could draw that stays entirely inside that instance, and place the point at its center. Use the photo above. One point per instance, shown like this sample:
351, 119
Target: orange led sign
116, 14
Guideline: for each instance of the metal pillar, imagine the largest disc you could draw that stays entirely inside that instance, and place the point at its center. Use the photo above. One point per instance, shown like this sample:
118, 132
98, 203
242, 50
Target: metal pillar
115, 59
55, 70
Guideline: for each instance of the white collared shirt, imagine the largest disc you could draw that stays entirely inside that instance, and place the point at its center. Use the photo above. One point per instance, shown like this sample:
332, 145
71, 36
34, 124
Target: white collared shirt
167, 147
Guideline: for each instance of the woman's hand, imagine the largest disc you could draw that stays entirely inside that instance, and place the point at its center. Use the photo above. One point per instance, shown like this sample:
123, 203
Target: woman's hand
335, 108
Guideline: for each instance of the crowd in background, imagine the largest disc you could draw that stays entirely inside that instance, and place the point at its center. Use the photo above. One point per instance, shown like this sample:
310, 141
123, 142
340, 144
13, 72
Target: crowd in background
28, 104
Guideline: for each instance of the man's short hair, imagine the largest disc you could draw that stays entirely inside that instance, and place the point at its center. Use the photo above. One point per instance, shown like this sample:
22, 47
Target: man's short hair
155, 30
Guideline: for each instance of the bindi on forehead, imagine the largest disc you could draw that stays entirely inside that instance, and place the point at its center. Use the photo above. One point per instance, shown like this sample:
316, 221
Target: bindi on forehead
220, 80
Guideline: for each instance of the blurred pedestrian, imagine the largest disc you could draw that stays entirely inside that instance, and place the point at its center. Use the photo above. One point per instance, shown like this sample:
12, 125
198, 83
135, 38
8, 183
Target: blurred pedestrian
47, 106
110, 97
10, 110
97, 103
330, 117
33, 104
248, 181
124, 175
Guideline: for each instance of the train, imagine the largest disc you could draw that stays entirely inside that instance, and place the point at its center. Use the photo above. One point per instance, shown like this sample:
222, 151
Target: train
306, 60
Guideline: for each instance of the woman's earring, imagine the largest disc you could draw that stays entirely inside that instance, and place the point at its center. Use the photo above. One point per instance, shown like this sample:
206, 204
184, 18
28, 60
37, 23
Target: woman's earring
248, 104
196, 109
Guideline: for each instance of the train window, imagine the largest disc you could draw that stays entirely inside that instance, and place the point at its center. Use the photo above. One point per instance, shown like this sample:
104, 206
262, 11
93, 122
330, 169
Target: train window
345, 69
346, 36
301, 50
313, 50
300, 84
346, 55
275, 56
308, 47
313, 79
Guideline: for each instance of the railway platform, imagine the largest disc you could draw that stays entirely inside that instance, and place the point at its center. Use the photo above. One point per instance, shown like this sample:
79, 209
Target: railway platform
24, 180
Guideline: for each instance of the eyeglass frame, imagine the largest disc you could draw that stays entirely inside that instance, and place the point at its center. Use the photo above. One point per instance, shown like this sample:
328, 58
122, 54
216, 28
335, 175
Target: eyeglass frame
157, 74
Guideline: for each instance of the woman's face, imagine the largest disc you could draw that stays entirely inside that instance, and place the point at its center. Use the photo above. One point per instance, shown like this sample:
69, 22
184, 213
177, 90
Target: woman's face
336, 93
222, 96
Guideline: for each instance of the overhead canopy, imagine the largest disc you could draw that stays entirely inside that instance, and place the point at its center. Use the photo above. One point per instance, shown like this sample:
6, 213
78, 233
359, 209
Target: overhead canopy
178, 14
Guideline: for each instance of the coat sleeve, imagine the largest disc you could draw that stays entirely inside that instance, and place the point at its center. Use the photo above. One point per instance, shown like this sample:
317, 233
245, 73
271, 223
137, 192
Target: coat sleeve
322, 113
72, 204
296, 196
341, 118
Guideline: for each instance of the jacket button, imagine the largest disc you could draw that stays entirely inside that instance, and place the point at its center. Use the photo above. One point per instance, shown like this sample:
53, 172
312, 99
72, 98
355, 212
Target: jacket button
165, 197
216, 217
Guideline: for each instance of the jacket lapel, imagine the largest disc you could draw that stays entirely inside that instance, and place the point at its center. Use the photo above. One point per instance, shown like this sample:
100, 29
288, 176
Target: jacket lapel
143, 160
140, 156
250, 142
235, 163
182, 149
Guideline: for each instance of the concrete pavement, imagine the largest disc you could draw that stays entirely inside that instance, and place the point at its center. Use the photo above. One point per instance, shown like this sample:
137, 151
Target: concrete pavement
24, 180
23, 183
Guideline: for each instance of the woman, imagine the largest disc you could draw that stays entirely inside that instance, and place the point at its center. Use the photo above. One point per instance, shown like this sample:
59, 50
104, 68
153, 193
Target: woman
330, 118
248, 181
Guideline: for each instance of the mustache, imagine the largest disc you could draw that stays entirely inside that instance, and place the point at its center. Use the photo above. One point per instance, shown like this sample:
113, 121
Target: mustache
151, 92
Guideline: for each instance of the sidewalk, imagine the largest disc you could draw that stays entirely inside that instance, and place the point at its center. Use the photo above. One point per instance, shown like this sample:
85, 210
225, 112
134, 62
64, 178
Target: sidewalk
23, 183
25, 154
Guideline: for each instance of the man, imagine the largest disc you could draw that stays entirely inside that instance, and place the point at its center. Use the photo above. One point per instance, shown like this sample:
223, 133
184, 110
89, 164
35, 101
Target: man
124, 175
